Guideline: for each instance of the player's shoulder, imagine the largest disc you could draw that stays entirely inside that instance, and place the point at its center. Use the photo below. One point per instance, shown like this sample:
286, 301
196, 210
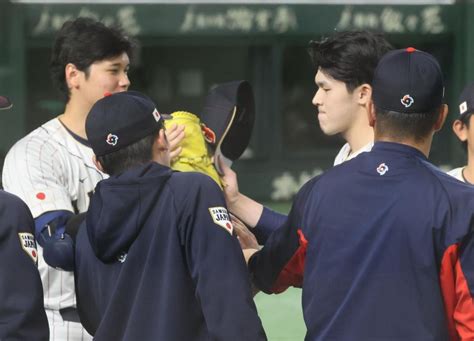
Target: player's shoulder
38, 139
13, 209
11, 201
187, 186
192, 180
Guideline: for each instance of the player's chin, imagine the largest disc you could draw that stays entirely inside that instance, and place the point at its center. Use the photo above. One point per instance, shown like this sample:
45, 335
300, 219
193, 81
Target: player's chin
328, 129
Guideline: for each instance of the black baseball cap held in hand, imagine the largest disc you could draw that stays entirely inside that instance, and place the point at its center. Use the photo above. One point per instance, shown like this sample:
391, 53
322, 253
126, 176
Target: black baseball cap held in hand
228, 118
5, 103
119, 120
466, 100
408, 81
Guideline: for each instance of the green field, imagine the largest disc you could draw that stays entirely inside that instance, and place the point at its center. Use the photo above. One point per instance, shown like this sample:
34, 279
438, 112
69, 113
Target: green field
281, 314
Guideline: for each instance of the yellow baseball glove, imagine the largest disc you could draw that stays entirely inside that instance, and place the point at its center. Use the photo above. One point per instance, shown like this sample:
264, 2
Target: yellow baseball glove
194, 155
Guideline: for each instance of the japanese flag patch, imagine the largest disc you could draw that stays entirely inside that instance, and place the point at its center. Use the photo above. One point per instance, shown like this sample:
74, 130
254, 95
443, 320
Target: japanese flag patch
28, 244
221, 217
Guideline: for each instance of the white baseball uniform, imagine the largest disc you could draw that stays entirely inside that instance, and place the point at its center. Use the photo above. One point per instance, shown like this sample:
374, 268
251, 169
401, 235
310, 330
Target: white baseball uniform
457, 173
345, 154
52, 169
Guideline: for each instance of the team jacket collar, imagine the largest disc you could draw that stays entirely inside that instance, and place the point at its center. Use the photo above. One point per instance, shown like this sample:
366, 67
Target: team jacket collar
392, 147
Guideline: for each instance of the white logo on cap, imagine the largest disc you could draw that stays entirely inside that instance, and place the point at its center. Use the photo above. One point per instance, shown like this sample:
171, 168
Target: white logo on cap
407, 101
156, 115
462, 107
382, 169
112, 139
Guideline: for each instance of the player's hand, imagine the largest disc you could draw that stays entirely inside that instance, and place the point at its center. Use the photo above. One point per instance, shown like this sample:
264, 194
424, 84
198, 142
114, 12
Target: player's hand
175, 135
230, 184
246, 238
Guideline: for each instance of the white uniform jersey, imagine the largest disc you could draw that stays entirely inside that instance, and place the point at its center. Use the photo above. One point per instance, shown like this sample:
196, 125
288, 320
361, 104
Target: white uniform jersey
345, 153
457, 173
51, 170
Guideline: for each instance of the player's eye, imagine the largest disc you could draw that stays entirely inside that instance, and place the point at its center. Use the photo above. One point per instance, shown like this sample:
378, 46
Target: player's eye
114, 71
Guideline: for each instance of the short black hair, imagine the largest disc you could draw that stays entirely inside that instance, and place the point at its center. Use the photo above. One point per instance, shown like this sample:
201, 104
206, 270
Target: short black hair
82, 42
133, 155
399, 125
349, 56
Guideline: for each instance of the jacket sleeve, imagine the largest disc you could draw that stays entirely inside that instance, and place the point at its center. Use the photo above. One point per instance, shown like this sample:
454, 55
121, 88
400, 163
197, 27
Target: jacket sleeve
280, 263
217, 266
22, 314
269, 221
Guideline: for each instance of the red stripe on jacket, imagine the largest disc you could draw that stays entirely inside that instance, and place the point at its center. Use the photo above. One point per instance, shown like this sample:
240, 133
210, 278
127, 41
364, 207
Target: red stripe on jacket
292, 273
458, 302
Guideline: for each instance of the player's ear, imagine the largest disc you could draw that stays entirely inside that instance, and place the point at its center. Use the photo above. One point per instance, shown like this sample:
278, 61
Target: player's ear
460, 129
443, 113
72, 75
364, 94
371, 113
98, 164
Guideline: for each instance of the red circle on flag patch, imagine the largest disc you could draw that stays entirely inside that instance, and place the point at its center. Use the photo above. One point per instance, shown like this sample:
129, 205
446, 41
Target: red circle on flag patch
33, 253
41, 196
229, 226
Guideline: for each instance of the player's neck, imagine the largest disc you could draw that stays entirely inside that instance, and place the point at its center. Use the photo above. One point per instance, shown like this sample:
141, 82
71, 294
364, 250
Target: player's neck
358, 136
468, 171
423, 146
74, 117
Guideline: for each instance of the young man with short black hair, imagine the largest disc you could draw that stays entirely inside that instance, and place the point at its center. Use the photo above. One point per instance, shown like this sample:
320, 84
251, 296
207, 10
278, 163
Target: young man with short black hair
156, 258
345, 64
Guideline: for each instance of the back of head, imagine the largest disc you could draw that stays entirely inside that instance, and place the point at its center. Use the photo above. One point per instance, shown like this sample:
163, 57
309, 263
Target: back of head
82, 42
349, 56
121, 129
408, 92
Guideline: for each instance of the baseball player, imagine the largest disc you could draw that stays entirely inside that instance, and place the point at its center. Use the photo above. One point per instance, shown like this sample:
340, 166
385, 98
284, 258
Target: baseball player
345, 63
51, 168
22, 315
382, 245
156, 258
462, 129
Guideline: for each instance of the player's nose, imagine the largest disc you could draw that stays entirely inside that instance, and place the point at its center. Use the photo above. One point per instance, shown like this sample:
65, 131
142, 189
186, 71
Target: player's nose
124, 82
317, 100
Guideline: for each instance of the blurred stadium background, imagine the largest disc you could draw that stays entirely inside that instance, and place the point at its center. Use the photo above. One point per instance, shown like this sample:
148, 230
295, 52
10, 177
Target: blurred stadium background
187, 46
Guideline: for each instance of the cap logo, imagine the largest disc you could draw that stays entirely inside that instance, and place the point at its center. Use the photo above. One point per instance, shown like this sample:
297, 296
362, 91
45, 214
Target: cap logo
407, 101
112, 139
382, 169
156, 115
462, 107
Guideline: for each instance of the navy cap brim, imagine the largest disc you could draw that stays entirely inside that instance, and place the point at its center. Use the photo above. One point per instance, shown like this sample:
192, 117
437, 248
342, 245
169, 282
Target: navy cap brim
5, 103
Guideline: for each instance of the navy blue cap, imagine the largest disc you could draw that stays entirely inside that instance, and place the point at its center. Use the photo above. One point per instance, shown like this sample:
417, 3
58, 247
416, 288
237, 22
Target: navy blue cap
228, 117
466, 100
5, 103
408, 81
119, 120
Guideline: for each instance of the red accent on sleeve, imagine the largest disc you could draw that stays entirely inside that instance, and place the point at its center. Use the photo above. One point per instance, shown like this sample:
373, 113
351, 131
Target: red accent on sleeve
464, 312
448, 289
410, 49
292, 273
459, 304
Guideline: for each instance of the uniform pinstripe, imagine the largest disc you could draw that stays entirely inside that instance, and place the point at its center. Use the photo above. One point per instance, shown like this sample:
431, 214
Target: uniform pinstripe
51, 170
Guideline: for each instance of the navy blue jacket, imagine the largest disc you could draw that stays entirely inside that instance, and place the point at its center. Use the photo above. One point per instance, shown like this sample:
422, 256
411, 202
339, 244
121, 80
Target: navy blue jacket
157, 260
383, 248
22, 315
